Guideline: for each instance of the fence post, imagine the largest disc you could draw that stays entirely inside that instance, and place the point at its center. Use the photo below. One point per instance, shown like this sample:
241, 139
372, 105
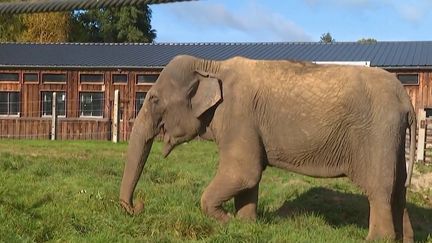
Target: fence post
116, 118
421, 118
54, 117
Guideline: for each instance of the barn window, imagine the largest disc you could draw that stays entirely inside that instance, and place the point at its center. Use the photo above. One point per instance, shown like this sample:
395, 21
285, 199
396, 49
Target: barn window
91, 78
54, 78
146, 78
9, 103
119, 78
47, 99
428, 112
409, 79
9, 77
139, 101
31, 77
91, 104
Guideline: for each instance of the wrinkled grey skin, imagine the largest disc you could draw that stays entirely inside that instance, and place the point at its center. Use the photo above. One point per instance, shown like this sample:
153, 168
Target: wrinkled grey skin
317, 120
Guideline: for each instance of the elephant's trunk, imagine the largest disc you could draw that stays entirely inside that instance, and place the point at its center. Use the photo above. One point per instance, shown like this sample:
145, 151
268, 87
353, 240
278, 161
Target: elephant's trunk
139, 147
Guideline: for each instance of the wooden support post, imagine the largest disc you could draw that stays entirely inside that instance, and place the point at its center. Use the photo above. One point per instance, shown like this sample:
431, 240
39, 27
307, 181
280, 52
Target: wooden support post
54, 117
116, 117
421, 119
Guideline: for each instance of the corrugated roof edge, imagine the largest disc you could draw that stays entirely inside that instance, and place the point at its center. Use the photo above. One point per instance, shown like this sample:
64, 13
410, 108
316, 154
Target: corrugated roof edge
78, 67
208, 43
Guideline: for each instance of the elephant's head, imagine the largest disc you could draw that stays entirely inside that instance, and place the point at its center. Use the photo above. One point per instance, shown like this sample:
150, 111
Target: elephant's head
175, 107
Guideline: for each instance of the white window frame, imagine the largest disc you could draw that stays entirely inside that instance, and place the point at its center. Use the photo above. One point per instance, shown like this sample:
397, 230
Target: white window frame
10, 81
145, 74
136, 94
92, 83
53, 73
416, 84
42, 102
120, 83
31, 82
8, 104
82, 100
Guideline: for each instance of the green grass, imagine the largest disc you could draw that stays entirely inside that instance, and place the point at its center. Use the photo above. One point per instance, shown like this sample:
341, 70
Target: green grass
68, 191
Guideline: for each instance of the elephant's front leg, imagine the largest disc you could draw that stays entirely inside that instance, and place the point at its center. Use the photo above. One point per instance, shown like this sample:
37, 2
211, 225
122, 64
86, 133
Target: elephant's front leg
238, 176
220, 190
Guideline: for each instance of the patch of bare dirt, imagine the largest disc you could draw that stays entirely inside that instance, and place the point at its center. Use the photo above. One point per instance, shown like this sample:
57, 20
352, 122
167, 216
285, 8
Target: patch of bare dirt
421, 182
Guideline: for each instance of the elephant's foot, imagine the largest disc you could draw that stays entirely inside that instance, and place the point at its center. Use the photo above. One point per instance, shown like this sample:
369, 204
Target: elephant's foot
408, 233
247, 213
132, 210
381, 222
216, 212
246, 204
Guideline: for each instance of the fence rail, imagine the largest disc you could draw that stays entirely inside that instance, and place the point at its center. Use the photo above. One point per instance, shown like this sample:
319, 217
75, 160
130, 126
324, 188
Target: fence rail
54, 127
111, 129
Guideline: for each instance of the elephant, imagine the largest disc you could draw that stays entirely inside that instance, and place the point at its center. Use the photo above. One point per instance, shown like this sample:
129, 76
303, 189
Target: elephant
317, 120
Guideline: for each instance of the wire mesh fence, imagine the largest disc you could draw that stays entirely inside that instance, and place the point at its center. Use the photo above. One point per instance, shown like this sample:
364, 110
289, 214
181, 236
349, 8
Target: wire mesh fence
82, 122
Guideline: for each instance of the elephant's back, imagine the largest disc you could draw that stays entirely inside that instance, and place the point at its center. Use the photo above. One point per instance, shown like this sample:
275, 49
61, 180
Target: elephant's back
303, 113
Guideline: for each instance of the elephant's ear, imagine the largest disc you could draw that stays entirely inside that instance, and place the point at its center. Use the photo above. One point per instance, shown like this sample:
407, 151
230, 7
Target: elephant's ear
205, 93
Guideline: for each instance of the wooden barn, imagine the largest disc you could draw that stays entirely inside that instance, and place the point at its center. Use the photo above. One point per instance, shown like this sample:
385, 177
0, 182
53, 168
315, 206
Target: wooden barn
85, 76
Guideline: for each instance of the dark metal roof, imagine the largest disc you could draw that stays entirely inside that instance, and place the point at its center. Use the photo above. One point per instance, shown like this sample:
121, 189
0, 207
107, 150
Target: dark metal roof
412, 54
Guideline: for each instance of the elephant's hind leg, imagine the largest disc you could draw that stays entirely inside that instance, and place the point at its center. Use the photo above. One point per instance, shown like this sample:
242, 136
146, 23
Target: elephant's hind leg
380, 220
408, 233
401, 218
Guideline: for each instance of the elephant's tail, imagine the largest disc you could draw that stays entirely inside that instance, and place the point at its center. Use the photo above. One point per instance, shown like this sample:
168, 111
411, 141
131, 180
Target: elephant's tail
412, 122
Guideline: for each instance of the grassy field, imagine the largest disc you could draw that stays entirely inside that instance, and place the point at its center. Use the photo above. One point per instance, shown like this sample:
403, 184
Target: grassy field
68, 191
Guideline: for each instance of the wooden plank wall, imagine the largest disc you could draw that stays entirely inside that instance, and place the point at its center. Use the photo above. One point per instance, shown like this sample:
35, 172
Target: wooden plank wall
421, 94
30, 124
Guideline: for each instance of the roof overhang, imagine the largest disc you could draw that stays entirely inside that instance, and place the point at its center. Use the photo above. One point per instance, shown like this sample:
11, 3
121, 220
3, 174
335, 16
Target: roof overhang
69, 67
353, 63
407, 67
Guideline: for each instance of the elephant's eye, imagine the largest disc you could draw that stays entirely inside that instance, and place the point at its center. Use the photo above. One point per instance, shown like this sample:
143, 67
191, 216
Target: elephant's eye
154, 99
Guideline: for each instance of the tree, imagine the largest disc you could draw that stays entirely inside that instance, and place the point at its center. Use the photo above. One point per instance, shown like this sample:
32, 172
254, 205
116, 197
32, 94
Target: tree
367, 41
126, 24
327, 38
10, 27
46, 27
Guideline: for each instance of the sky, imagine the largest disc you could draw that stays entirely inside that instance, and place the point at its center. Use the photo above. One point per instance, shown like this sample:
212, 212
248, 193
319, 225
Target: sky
292, 20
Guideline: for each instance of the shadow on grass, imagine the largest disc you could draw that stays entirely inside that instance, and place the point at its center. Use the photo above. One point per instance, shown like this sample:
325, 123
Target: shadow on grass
340, 209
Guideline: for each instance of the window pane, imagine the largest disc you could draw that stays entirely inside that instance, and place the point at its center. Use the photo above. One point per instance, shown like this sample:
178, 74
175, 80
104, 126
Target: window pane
53, 78
91, 104
97, 104
46, 103
119, 78
85, 104
14, 103
91, 78
9, 103
31, 77
147, 78
139, 101
3, 103
61, 104
9, 77
409, 79
47, 98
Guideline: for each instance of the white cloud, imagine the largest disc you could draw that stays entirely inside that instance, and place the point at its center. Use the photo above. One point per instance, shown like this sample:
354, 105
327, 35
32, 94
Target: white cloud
410, 10
254, 21
410, 13
342, 3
